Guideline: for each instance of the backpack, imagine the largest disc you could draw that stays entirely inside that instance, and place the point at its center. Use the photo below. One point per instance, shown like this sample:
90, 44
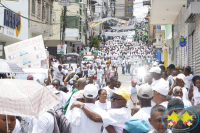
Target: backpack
61, 123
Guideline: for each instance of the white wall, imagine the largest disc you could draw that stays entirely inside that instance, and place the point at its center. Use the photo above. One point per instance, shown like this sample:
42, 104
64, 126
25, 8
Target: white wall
21, 6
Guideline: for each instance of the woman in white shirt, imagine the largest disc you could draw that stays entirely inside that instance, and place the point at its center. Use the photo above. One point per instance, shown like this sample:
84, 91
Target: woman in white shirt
78, 69
102, 103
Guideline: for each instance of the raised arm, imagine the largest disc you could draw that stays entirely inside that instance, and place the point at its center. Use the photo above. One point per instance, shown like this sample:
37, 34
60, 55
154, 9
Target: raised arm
90, 114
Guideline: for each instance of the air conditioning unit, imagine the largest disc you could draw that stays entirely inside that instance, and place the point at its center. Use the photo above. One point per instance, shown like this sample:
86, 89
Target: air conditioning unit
146, 2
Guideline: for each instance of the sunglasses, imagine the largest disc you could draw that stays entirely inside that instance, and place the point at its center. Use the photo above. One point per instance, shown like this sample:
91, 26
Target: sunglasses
115, 99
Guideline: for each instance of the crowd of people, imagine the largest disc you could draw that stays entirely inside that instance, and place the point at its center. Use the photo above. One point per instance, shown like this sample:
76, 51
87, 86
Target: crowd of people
90, 104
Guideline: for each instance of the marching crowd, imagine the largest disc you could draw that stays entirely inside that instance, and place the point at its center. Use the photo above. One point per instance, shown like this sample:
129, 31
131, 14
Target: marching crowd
92, 100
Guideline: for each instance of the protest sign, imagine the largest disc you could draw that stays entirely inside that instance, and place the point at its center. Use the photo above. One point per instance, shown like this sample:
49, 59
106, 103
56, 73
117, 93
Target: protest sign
26, 52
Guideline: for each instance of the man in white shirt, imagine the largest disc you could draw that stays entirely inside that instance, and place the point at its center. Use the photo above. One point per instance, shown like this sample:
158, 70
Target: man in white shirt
45, 124
188, 77
145, 95
111, 87
123, 66
160, 92
155, 120
91, 81
100, 74
178, 92
156, 75
115, 117
170, 69
59, 73
79, 121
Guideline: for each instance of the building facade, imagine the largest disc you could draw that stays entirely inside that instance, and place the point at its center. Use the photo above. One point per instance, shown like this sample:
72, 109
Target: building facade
13, 27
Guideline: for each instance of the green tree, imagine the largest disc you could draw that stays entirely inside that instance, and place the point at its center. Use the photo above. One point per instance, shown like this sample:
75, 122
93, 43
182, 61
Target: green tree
94, 41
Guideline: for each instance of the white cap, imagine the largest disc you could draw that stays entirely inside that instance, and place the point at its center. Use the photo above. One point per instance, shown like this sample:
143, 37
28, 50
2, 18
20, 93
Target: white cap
145, 90
181, 76
161, 88
90, 91
155, 70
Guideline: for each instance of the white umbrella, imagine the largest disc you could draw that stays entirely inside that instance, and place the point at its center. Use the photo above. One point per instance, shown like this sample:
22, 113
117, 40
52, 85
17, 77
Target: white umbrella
25, 98
9, 67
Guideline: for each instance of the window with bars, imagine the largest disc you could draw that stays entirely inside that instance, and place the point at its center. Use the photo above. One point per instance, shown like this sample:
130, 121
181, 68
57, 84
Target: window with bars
43, 12
130, 9
38, 8
72, 22
33, 7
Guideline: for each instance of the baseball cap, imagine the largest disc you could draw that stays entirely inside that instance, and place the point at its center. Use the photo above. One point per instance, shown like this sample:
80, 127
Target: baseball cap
155, 70
90, 91
171, 66
161, 88
74, 78
29, 76
133, 81
145, 91
122, 92
136, 126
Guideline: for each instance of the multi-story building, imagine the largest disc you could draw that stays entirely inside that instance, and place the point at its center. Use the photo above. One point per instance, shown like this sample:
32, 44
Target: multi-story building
40, 15
75, 27
13, 27
124, 8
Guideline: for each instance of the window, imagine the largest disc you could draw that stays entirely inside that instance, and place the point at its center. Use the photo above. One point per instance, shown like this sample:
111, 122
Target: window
80, 11
39, 8
72, 22
33, 6
43, 12
130, 9
80, 25
47, 13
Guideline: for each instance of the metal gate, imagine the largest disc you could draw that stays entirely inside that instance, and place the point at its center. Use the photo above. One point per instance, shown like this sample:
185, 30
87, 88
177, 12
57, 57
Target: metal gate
193, 52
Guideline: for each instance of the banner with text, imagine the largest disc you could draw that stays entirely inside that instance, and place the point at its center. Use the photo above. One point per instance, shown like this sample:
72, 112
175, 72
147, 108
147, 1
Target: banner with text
26, 52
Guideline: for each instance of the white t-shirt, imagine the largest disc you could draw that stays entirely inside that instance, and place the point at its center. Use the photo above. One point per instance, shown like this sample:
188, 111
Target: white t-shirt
187, 103
78, 70
45, 124
185, 93
188, 81
69, 70
59, 76
105, 106
81, 123
99, 73
109, 92
144, 114
17, 128
133, 92
196, 96
116, 117
165, 103
91, 72
63, 97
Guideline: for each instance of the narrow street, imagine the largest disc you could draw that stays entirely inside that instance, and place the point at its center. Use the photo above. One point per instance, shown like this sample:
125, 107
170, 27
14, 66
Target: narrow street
124, 78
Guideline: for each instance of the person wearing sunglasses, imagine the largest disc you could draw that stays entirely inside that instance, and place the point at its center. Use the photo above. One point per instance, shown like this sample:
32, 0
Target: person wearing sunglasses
115, 117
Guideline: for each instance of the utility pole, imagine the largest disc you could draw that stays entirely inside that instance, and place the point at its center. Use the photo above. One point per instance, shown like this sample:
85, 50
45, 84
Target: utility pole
64, 24
86, 25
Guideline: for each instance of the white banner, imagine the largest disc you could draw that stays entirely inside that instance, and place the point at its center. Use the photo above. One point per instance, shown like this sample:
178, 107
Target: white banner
131, 33
71, 32
26, 52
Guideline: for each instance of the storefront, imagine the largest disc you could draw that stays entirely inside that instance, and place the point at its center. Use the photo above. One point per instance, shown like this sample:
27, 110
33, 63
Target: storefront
13, 27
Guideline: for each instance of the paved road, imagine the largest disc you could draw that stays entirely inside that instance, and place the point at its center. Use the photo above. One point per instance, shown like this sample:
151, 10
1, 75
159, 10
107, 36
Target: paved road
124, 78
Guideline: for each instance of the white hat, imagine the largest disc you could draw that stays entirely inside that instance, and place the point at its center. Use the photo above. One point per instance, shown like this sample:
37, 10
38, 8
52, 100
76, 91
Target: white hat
145, 90
161, 88
155, 70
90, 91
181, 76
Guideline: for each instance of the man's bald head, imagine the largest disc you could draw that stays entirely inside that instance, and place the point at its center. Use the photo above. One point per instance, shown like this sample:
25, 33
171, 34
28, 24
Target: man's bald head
81, 83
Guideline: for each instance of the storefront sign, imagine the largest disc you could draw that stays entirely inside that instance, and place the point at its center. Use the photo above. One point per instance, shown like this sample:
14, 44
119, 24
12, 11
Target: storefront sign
26, 52
12, 20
